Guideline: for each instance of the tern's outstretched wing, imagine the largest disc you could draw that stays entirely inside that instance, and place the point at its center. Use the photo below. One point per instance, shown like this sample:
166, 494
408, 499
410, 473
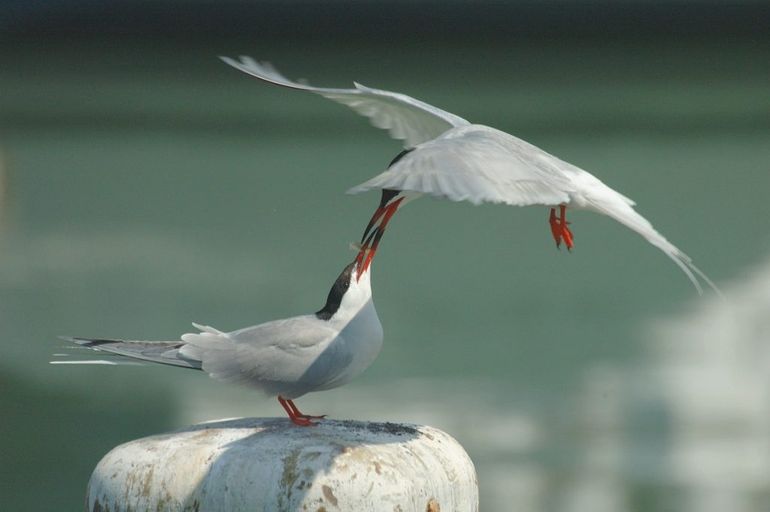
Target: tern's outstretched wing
404, 117
481, 165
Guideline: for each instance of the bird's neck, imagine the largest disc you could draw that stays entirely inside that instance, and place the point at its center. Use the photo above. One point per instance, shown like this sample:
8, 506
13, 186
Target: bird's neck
356, 300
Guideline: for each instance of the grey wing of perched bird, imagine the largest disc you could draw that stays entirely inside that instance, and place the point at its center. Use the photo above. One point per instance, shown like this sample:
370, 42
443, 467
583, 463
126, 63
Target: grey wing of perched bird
163, 352
282, 356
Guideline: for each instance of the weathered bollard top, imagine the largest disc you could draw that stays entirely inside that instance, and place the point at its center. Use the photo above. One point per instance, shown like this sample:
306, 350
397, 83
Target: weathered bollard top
259, 464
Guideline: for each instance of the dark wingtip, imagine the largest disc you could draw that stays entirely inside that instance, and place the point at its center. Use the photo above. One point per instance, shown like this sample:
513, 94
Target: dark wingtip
87, 342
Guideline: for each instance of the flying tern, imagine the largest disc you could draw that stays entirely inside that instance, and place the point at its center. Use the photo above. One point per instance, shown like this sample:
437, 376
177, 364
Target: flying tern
446, 156
283, 358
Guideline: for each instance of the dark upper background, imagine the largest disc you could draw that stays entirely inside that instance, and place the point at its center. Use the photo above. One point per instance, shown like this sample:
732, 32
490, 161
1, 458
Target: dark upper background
350, 21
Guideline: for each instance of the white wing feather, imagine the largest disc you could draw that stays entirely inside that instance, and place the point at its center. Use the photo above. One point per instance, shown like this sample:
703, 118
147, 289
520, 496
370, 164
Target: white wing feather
478, 164
404, 117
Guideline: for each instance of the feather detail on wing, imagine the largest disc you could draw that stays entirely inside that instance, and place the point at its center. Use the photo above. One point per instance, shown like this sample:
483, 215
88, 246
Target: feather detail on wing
404, 117
267, 356
477, 164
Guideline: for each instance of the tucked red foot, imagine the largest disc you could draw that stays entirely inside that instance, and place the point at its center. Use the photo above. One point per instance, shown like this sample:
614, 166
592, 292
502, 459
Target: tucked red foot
560, 227
296, 417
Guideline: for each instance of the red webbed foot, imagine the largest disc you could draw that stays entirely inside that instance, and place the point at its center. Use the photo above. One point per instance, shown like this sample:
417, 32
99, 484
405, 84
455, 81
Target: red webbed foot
560, 228
296, 417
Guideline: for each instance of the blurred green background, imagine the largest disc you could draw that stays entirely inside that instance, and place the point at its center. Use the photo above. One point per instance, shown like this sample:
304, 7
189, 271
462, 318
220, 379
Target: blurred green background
146, 185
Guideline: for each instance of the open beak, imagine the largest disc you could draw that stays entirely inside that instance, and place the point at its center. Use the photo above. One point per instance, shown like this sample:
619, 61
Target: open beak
373, 234
377, 214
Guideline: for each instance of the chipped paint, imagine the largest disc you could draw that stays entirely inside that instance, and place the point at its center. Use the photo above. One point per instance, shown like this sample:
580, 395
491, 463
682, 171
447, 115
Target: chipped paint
329, 494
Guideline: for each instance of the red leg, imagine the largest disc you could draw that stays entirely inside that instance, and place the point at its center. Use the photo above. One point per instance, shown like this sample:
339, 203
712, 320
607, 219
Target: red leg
560, 227
297, 412
295, 416
555, 228
565, 231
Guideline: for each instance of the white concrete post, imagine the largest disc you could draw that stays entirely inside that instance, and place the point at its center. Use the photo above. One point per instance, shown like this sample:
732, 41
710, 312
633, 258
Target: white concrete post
271, 465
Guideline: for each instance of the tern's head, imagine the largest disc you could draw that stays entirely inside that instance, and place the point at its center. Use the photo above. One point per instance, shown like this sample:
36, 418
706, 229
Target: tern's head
349, 293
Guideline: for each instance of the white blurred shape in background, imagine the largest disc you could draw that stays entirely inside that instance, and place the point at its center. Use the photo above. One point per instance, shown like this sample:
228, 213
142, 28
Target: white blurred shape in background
690, 429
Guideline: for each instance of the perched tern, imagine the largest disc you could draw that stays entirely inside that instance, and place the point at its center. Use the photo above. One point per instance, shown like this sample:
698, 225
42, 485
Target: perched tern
446, 156
283, 358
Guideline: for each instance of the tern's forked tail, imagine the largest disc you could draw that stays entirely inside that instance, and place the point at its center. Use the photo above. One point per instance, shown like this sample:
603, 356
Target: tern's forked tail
626, 215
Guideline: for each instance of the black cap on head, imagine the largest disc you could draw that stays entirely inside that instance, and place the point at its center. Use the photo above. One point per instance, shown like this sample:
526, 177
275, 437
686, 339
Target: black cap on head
334, 299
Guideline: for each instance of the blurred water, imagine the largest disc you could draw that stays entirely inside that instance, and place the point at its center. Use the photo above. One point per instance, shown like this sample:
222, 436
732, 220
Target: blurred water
141, 194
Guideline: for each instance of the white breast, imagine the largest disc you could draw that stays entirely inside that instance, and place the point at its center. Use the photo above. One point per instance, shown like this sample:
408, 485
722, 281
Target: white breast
358, 344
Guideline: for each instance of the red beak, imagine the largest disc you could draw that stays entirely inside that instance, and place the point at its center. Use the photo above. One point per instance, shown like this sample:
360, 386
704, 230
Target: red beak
371, 238
377, 214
